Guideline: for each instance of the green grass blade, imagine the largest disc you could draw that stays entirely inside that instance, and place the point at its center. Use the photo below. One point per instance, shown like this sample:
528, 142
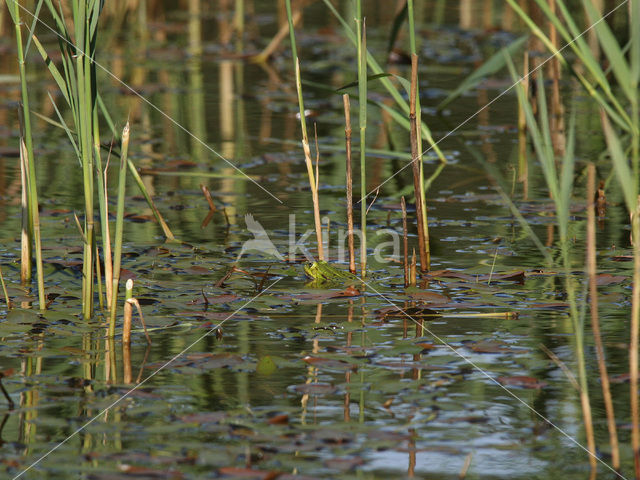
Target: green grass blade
612, 50
55, 73
624, 174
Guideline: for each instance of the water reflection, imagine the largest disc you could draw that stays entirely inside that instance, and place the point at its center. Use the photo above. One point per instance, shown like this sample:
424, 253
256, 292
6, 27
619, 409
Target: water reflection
244, 111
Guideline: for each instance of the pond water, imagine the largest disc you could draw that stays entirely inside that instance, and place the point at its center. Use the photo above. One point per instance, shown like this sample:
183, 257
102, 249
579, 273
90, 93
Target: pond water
271, 377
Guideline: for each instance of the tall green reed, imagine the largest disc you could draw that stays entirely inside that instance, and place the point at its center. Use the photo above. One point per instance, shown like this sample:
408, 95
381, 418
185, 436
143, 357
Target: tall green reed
32, 235
78, 84
558, 175
618, 97
361, 45
117, 254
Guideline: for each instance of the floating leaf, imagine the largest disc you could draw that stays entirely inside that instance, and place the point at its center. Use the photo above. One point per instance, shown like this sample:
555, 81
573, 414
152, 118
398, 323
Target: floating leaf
608, 279
429, 297
314, 388
522, 382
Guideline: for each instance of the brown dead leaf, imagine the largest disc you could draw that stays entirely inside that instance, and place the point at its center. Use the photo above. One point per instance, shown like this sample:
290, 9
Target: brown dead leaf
429, 297
608, 279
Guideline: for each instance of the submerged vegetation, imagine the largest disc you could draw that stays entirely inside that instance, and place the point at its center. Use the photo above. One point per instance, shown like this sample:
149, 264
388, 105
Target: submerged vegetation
281, 359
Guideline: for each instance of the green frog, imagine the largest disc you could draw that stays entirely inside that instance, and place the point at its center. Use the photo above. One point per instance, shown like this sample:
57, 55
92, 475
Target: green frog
321, 272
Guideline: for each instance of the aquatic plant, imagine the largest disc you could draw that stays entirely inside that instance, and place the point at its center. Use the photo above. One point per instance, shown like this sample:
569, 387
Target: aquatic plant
313, 180
31, 235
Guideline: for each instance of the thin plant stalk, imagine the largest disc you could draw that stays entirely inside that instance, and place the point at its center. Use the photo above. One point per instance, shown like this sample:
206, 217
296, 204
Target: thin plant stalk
117, 252
523, 166
376, 69
34, 220
362, 121
103, 203
405, 243
128, 313
595, 323
349, 181
415, 159
418, 113
25, 232
26, 149
305, 137
560, 185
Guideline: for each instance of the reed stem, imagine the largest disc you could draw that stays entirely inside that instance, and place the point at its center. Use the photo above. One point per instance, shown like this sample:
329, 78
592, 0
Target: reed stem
349, 181
26, 151
415, 160
117, 253
313, 183
405, 243
595, 323
418, 112
362, 121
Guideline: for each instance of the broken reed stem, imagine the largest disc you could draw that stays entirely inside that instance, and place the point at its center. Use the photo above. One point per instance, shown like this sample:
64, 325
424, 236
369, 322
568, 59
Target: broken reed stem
349, 181
117, 252
633, 342
405, 243
128, 313
412, 270
415, 159
595, 323
362, 121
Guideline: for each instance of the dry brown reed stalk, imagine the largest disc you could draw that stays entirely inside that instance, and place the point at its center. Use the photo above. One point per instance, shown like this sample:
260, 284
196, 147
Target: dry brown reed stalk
134, 302
523, 166
349, 181
126, 362
405, 243
416, 157
212, 206
465, 466
595, 323
633, 341
313, 181
412, 269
